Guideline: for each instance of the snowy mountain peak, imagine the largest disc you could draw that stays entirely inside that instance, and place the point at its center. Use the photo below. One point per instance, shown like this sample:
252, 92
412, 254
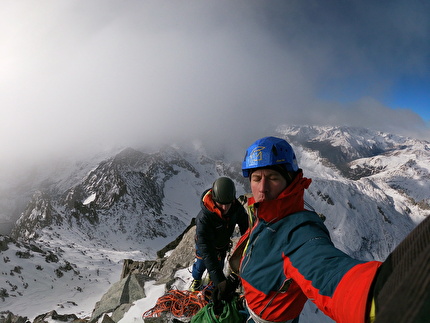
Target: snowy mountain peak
356, 151
371, 186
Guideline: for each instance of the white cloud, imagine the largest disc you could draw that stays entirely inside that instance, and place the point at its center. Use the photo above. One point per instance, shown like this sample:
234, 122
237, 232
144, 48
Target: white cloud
78, 75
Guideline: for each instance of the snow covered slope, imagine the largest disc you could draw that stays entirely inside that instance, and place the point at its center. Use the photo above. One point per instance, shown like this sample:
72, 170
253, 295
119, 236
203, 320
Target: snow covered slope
371, 186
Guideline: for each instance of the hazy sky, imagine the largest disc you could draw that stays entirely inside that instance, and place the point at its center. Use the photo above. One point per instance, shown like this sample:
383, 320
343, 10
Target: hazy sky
79, 75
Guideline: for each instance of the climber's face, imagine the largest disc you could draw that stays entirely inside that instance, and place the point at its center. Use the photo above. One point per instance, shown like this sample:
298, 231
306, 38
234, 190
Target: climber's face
223, 207
266, 184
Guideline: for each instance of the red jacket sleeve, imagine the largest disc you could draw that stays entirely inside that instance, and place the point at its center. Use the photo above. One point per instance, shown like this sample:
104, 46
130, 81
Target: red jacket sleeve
348, 304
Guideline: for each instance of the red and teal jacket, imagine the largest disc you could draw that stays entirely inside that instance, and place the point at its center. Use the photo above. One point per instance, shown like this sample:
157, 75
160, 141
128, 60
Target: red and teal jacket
290, 258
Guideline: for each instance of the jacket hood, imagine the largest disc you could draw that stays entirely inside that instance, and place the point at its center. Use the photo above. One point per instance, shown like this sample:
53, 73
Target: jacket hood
207, 203
291, 200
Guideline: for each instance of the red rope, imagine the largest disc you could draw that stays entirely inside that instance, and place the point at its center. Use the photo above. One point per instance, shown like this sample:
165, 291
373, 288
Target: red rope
181, 303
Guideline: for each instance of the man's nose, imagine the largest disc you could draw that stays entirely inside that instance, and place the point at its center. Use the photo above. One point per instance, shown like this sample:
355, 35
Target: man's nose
264, 184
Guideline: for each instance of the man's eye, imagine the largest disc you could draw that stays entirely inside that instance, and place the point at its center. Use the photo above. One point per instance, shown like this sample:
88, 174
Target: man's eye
274, 178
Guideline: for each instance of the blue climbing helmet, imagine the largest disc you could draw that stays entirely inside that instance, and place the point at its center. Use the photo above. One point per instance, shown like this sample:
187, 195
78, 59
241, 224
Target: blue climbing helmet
269, 151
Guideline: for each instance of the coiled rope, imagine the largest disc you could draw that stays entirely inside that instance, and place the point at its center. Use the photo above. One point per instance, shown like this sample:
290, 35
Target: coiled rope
180, 303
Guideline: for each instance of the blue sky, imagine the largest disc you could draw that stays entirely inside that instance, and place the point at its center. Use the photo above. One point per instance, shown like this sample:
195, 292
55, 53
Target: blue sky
412, 92
377, 49
82, 75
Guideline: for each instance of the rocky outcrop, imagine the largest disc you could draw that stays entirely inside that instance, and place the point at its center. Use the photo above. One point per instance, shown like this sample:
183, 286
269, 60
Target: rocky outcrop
8, 317
120, 297
181, 257
53, 316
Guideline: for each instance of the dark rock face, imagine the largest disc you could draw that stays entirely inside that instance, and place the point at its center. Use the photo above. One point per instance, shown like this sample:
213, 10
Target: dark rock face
54, 316
8, 317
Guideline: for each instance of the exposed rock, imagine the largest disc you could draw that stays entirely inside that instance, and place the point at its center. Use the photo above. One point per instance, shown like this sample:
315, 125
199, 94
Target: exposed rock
126, 291
172, 245
182, 257
147, 267
4, 241
118, 314
8, 317
106, 319
53, 316
163, 269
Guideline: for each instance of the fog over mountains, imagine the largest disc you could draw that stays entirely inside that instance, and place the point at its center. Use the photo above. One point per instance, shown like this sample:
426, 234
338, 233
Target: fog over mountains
75, 223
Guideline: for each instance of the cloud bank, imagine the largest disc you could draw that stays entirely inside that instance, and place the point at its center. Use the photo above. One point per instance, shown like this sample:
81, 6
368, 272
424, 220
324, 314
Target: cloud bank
78, 76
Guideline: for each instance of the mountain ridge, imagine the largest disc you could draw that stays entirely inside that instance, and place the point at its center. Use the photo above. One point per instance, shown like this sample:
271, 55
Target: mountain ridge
370, 186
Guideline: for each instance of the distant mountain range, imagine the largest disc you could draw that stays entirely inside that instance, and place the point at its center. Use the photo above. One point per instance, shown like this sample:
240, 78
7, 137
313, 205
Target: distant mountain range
82, 220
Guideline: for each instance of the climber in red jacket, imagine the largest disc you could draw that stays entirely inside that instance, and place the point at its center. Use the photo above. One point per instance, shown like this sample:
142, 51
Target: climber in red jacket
289, 257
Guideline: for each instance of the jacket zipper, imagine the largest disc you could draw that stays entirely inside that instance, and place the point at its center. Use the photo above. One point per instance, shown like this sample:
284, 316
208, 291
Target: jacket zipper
248, 248
280, 290
248, 254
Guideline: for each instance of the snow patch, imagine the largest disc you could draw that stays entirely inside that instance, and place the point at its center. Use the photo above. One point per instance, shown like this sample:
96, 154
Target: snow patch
90, 199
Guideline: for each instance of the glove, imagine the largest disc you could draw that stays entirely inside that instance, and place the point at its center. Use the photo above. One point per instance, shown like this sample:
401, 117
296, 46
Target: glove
224, 291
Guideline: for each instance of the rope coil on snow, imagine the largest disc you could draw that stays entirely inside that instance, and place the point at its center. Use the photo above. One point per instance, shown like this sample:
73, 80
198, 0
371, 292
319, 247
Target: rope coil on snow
181, 303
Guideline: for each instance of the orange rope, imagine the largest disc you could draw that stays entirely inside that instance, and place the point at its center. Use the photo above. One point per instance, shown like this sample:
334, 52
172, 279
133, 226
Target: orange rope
180, 303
